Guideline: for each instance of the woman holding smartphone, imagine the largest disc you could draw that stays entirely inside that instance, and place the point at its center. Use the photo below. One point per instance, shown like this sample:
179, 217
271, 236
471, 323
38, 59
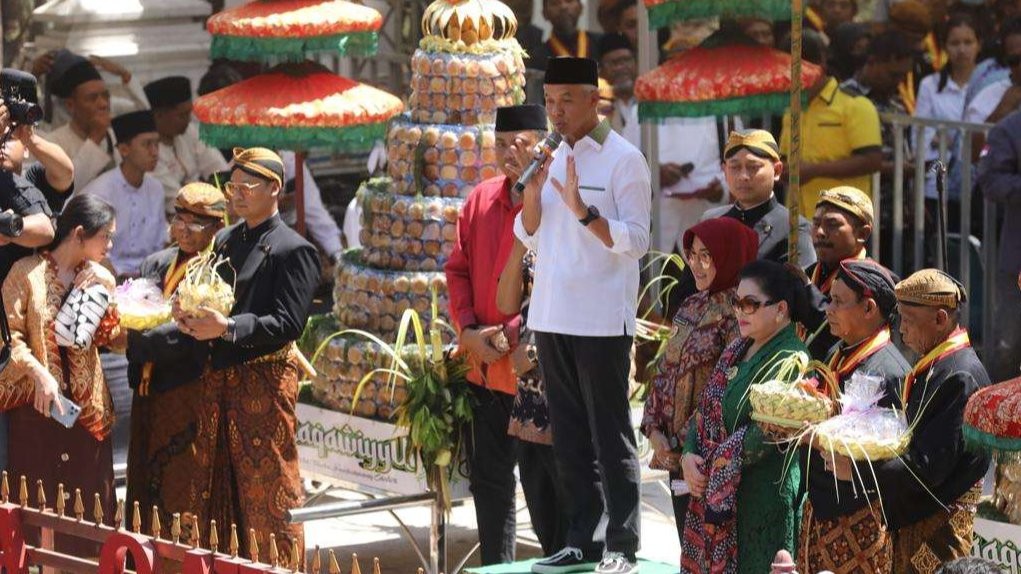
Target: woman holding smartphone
42, 379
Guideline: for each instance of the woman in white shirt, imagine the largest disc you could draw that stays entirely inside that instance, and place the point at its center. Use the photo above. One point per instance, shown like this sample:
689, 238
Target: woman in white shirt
941, 96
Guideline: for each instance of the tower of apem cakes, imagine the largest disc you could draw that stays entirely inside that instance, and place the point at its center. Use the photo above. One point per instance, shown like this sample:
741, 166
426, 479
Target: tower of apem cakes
467, 65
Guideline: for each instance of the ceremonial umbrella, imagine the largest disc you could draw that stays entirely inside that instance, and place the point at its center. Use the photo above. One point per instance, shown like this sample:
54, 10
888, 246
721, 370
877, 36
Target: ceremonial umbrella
992, 419
665, 12
270, 30
718, 78
298, 107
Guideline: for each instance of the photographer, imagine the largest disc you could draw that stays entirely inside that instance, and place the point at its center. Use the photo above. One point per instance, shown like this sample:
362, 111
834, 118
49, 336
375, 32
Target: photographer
52, 173
25, 217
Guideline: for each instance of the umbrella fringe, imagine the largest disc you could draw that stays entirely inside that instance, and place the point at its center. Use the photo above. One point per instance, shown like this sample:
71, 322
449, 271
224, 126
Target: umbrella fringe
352, 139
662, 14
262, 49
775, 103
982, 441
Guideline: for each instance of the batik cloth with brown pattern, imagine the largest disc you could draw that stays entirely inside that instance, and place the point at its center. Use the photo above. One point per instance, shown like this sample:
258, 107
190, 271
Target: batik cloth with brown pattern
943, 537
856, 543
247, 459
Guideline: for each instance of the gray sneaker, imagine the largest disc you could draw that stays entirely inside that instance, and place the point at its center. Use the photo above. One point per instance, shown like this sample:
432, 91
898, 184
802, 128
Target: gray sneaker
569, 559
616, 563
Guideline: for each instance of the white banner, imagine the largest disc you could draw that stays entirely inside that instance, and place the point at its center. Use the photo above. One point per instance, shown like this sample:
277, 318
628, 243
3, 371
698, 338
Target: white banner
999, 542
361, 451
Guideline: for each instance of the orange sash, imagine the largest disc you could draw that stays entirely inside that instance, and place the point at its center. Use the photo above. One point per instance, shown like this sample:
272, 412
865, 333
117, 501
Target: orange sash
845, 366
958, 340
560, 50
827, 284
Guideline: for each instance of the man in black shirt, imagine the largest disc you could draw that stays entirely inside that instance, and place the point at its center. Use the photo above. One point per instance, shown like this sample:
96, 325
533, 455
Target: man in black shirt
52, 175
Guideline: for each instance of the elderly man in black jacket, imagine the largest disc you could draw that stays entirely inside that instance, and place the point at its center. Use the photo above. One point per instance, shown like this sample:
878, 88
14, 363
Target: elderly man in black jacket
164, 366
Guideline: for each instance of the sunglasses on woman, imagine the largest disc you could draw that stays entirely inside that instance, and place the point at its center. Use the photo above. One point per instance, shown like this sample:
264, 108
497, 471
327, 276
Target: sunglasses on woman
749, 305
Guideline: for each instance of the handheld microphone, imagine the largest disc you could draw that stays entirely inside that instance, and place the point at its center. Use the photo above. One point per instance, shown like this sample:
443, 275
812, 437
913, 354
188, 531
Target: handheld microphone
542, 151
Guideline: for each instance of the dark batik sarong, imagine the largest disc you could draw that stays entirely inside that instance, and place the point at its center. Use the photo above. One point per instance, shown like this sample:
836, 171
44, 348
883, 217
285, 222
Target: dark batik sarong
857, 543
923, 547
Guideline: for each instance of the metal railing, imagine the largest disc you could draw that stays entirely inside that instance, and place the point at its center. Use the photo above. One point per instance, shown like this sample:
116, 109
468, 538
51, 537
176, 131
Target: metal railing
948, 135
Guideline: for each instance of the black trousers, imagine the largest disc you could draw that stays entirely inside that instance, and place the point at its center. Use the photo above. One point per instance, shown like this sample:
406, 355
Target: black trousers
594, 443
537, 467
680, 504
492, 454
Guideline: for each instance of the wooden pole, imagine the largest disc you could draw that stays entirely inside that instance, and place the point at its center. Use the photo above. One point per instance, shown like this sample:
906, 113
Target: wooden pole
794, 157
299, 190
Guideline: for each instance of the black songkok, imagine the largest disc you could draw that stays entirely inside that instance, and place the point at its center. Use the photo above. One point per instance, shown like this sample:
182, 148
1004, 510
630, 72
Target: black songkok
611, 43
870, 279
568, 70
72, 71
521, 118
127, 126
168, 92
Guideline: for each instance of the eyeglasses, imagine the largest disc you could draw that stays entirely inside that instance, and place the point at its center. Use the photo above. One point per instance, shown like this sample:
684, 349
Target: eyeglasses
234, 187
750, 305
703, 258
190, 225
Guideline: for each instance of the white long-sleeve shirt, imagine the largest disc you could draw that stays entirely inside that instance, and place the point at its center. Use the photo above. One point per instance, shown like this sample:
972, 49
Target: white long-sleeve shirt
188, 160
320, 223
89, 158
141, 222
581, 287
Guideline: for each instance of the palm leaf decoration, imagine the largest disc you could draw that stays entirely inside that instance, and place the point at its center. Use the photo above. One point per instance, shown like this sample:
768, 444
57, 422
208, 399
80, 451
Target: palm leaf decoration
469, 21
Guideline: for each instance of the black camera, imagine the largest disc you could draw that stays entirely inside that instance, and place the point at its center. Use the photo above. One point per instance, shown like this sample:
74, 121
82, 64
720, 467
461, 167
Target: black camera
18, 90
11, 224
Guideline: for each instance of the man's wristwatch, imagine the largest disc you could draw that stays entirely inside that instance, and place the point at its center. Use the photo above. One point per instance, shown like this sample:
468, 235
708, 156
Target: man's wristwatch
230, 335
593, 214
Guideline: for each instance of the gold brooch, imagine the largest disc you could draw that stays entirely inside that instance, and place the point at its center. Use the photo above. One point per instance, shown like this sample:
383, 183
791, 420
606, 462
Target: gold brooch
731, 373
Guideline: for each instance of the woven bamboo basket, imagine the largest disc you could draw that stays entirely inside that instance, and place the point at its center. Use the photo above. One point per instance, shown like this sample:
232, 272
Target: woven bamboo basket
833, 436
788, 405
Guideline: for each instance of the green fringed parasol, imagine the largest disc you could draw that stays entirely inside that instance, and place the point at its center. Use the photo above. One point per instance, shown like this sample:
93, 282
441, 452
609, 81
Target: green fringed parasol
992, 419
665, 12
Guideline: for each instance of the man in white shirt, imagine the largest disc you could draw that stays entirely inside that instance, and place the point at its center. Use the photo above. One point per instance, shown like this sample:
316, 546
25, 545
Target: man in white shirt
588, 223
85, 137
183, 157
320, 225
134, 193
690, 176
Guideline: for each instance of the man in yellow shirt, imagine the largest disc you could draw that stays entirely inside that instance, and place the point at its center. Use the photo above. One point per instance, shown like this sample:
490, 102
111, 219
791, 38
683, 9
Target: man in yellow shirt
840, 136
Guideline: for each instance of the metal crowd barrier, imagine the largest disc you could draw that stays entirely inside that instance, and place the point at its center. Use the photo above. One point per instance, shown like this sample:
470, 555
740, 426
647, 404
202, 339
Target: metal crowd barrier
947, 133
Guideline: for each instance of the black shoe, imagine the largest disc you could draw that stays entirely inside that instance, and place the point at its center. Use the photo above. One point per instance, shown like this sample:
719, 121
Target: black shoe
616, 563
569, 559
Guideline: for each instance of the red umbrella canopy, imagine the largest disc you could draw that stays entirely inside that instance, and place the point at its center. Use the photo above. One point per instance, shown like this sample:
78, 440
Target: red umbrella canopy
297, 106
725, 79
293, 28
992, 419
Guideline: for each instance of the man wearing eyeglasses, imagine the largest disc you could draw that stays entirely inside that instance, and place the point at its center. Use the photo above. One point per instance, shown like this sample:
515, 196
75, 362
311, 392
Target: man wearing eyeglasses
250, 387
164, 367
841, 226
837, 515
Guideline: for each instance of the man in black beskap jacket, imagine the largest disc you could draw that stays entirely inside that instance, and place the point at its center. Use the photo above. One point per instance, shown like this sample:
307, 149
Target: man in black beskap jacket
246, 453
929, 493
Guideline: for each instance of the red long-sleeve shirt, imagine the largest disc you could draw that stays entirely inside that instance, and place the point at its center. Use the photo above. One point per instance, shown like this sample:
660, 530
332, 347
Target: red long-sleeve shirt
485, 236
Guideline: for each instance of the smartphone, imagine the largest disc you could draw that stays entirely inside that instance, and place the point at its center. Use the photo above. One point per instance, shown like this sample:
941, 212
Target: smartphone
71, 411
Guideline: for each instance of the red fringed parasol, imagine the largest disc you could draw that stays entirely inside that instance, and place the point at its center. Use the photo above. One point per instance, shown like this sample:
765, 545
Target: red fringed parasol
714, 80
992, 419
299, 107
292, 29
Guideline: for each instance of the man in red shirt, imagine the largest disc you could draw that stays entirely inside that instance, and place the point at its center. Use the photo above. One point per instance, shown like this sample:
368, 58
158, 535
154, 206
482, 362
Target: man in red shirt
485, 236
